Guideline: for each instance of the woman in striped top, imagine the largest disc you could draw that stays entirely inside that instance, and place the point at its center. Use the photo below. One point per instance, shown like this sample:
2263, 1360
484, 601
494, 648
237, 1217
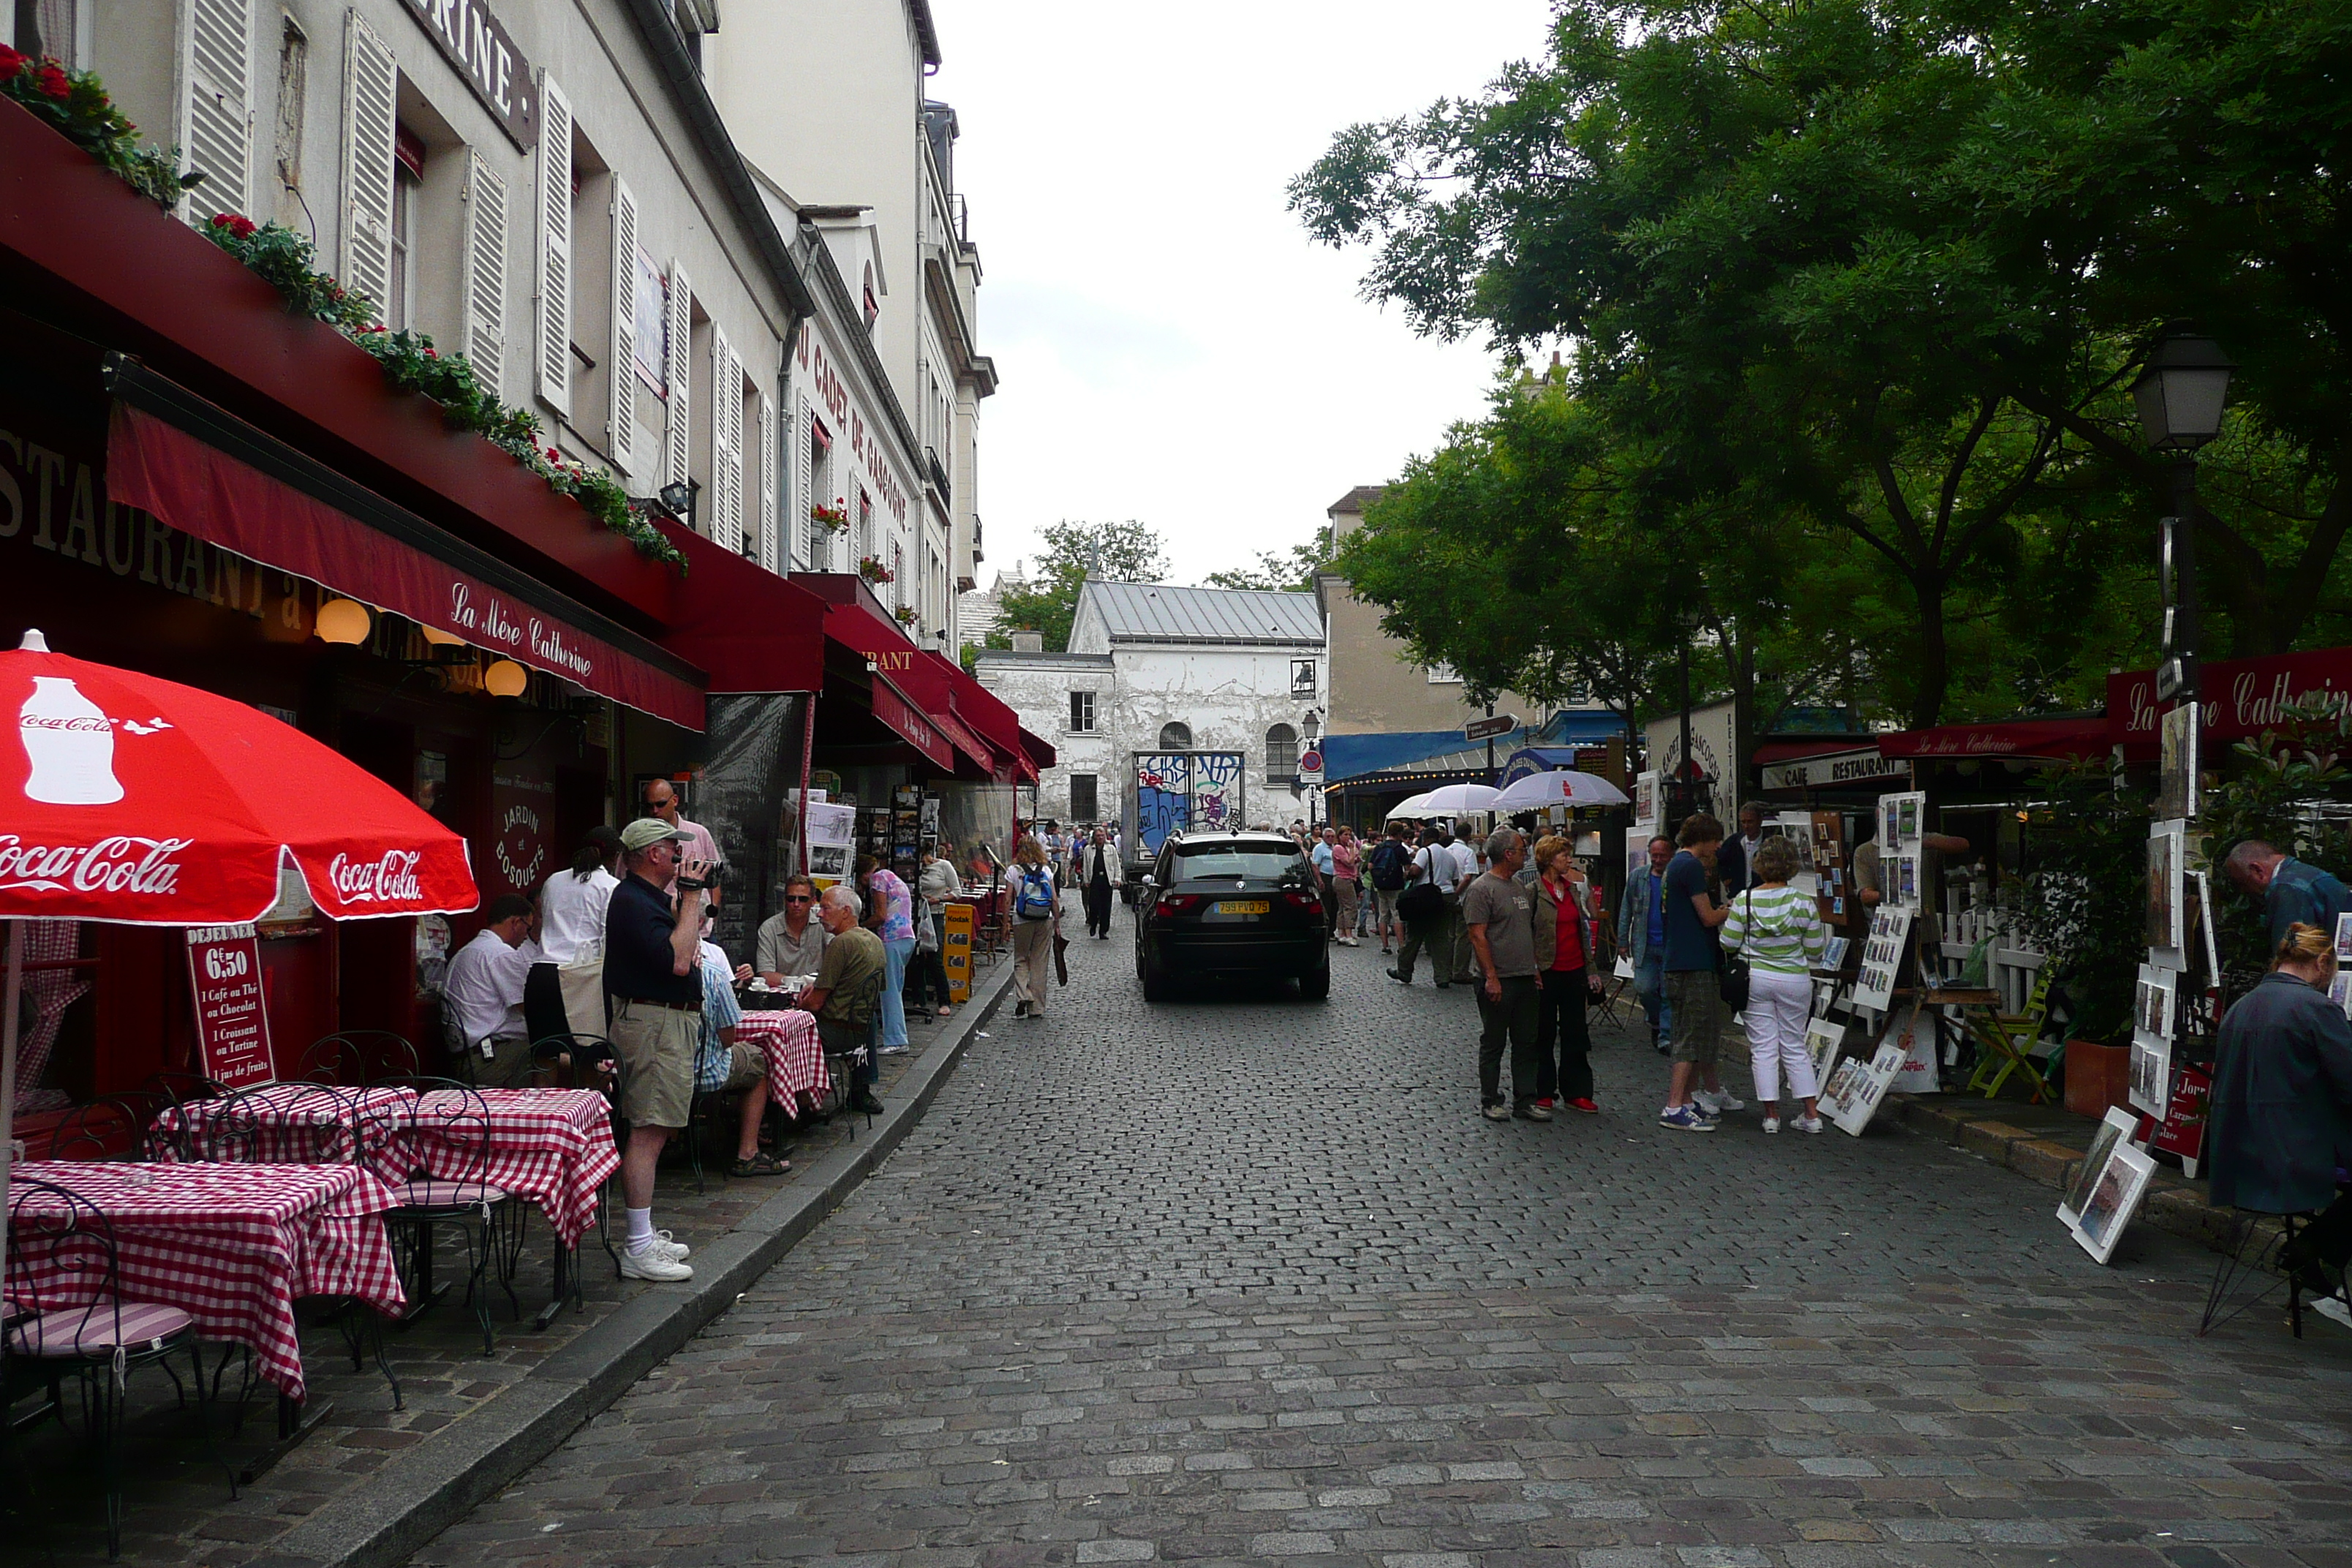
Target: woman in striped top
1774, 925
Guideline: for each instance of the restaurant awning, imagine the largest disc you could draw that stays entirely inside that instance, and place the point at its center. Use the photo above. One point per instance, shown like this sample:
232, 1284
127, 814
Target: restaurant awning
2073, 735
750, 630
194, 465
856, 624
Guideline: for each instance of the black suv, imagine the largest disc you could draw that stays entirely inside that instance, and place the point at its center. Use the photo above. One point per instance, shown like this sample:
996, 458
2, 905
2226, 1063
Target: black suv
1231, 903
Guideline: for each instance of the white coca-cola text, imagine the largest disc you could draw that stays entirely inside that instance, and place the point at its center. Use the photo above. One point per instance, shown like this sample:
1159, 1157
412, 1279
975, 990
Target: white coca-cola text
121, 864
390, 880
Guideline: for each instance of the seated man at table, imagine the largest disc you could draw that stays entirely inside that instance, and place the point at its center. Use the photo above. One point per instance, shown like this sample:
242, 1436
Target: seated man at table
791, 941
847, 986
726, 1066
481, 998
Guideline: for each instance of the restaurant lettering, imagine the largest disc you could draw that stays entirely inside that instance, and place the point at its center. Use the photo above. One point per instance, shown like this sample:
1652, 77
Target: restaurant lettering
484, 52
391, 880
484, 618
2242, 696
117, 863
833, 394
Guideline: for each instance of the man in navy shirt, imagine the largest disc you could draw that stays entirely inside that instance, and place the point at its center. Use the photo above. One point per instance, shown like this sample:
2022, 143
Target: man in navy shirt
1691, 916
652, 982
2292, 890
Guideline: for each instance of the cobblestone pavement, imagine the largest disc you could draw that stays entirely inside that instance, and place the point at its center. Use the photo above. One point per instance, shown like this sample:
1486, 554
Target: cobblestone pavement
1241, 1278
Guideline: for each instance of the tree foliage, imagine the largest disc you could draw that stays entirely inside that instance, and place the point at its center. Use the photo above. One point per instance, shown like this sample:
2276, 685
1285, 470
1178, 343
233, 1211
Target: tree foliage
1128, 551
1857, 289
1290, 571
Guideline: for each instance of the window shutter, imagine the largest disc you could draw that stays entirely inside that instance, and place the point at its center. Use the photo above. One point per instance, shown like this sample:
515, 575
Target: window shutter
771, 456
370, 113
219, 76
621, 427
486, 273
726, 443
677, 370
554, 342
803, 531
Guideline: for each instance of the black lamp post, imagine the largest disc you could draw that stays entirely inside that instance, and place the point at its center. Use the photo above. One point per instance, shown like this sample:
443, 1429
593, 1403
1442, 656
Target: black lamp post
1686, 794
2180, 392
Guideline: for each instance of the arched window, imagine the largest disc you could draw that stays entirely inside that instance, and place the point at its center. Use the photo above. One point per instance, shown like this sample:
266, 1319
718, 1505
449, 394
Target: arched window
1281, 755
1175, 737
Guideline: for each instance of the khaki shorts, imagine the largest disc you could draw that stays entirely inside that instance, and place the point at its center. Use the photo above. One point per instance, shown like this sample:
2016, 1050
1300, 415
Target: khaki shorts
1698, 1015
656, 1047
749, 1066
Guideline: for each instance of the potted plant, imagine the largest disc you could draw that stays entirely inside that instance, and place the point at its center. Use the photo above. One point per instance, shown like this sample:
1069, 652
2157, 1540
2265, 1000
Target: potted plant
907, 614
871, 568
2084, 906
833, 518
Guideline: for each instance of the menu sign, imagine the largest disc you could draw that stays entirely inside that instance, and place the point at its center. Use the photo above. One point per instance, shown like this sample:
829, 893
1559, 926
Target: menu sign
232, 1027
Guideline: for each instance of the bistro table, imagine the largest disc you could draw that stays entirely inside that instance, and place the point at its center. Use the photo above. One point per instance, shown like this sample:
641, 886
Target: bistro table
234, 1247
796, 1058
292, 1125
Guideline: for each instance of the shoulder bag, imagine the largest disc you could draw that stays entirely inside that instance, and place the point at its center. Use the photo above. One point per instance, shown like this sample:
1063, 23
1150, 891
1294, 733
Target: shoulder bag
1732, 970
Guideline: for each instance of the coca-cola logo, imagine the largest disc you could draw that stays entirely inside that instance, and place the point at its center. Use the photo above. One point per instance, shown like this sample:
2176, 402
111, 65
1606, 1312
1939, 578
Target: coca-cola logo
85, 725
122, 863
389, 880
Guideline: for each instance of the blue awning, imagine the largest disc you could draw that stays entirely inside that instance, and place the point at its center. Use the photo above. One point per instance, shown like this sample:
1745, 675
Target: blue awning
1352, 756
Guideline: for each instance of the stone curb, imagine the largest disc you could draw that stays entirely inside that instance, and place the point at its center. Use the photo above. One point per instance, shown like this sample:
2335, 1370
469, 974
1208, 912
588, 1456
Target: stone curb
426, 1489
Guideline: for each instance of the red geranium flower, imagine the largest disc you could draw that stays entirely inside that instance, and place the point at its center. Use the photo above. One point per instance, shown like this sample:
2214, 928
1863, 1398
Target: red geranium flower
11, 62
238, 226
53, 83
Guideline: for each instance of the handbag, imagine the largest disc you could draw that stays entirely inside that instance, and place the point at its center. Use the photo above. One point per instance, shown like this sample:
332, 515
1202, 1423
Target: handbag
1732, 971
1421, 902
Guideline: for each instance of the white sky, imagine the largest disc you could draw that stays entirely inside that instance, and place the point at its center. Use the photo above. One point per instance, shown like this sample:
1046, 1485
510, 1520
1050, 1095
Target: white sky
1170, 345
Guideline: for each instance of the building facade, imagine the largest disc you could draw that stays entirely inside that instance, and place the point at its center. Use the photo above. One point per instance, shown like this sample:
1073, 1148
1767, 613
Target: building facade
1155, 671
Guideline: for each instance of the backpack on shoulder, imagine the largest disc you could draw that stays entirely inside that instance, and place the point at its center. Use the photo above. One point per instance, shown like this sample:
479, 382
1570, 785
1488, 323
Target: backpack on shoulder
1034, 899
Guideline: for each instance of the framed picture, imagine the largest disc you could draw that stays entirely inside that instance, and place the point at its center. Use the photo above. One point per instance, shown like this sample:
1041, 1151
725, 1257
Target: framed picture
2118, 1127
2164, 869
2113, 1198
1822, 1040
1890, 817
2154, 996
1857, 1087
1906, 880
2175, 794
1645, 799
1908, 809
2344, 938
2152, 1075
2339, 990
2212, 933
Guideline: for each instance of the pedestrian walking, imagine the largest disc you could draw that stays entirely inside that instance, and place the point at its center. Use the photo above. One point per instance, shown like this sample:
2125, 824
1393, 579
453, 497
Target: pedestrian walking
1099, 873
1427, 917
1567, 917
1642, 938
1466, 867
1498, 912
1780, 933
890, 909
1037, 917
1692, 918
1387, 866
1347, 873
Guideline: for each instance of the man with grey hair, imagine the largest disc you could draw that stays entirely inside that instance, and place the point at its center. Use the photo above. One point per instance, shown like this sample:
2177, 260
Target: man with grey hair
847, 987
1738, 854
1499, 911
2292, 890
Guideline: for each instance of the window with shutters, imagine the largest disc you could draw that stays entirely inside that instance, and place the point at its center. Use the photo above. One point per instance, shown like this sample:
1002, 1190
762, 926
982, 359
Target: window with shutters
371, 154
865, 550
771, 485
552, 291
821, 539
650, 346
724, 491
678, 362
486, 271
407, 177
216, 108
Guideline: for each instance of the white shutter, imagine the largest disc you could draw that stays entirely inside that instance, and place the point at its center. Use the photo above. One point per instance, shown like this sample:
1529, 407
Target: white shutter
770, 456
370, 116
802, 530
677, 370
486, 273
621, 427
554, 339
726, 443
217, 74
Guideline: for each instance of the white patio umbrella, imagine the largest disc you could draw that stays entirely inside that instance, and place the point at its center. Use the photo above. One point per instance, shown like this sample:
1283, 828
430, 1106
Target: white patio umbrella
1564, 787
1453, 797
1411, 806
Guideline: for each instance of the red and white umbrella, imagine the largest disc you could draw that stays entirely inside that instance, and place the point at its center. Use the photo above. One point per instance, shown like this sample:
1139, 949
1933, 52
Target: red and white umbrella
139, 801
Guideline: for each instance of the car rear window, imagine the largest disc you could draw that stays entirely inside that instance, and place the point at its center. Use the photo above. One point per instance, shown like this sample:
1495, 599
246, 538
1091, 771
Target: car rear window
1222, 860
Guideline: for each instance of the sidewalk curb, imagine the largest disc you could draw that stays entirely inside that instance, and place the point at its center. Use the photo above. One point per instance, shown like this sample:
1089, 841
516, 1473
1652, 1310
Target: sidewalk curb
427, 1488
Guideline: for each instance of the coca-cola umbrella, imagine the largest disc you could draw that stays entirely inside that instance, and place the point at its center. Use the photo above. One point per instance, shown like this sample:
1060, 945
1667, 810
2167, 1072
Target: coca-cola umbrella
140, 801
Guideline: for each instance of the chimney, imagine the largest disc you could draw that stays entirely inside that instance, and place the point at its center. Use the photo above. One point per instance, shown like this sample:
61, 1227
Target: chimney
1028, 642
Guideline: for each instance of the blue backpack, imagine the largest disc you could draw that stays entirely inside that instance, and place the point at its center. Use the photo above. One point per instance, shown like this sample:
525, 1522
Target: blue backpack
1032, 898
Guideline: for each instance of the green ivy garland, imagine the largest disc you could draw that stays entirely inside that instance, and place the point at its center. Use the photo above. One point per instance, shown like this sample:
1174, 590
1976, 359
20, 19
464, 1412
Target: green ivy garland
76, 104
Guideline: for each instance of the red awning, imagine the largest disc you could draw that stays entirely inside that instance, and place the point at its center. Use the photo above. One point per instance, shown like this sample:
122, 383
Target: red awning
750, 629
361, 545
1797, 747
2073, 737
905, 718
2242, 696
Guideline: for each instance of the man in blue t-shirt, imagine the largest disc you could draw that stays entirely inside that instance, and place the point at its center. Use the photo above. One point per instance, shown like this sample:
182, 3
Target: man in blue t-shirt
1691, 916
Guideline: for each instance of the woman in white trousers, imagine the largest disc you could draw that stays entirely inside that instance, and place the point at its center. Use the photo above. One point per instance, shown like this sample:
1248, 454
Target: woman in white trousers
1774, 926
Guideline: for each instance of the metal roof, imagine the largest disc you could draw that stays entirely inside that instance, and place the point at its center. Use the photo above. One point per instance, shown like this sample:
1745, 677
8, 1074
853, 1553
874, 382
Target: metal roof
1153, 612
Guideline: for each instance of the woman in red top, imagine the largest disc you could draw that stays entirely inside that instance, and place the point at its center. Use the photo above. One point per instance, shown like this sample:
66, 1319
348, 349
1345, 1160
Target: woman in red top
1568, 928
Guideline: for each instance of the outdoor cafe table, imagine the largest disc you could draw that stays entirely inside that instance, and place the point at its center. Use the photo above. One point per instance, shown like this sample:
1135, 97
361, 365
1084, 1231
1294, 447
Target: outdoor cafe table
234, 1247
796, 1058
293, 1124
552, 1147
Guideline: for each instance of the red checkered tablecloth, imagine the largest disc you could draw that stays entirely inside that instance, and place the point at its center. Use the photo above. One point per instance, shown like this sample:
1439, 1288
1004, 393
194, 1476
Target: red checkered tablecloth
795, 1058
232, 1246
294, 1124
551, 1146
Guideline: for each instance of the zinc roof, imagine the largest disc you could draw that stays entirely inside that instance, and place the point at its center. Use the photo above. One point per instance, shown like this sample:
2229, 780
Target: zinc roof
1153, 612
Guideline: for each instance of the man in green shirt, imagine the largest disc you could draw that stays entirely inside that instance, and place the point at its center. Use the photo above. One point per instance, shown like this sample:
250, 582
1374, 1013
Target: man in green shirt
847, 988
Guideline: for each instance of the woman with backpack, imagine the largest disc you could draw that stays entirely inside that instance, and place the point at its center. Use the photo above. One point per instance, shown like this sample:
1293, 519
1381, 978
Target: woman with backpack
1036, 916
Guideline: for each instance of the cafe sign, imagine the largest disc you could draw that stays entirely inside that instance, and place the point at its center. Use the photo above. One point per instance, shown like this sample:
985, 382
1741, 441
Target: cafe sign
1835, 769
232, 1026
2242, 696
478, 44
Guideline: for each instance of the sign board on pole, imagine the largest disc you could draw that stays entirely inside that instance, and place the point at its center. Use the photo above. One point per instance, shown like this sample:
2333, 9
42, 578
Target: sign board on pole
955, 949
232, 1026
1484, 729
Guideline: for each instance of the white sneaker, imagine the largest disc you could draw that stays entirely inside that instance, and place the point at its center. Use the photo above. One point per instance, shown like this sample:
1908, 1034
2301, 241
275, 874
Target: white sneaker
677, 1249
1809, 1124
653, 1263
1772, 1124
1718, 1101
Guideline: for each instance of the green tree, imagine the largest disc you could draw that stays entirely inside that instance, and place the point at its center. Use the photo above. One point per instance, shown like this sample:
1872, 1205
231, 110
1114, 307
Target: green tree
1128, 551
1290, 571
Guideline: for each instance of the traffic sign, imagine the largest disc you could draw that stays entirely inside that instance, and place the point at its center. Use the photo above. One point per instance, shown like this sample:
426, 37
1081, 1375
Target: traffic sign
1310, 761
1484, 729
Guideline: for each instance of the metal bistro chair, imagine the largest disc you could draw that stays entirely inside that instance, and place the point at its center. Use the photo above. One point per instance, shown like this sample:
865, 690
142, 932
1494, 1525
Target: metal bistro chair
2250, 1271
112, 1127
55, 1231
363, 1057
452, 1118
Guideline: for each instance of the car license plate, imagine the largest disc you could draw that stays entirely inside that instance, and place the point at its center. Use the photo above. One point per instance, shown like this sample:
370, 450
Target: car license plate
1242, 906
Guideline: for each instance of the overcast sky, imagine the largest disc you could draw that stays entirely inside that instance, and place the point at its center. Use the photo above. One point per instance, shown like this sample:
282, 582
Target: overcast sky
1170, 345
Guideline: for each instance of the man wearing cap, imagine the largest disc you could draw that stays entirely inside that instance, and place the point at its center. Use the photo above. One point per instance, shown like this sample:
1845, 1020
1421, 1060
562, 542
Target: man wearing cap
653, 981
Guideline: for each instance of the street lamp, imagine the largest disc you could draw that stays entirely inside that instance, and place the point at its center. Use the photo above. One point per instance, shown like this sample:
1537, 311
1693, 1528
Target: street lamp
1686, 792
2179, 394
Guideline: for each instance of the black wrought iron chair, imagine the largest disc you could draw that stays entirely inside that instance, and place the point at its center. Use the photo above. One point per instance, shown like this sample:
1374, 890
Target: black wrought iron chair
55, 1232
359, 1056
2253, 1268
111, 1127
451, 1121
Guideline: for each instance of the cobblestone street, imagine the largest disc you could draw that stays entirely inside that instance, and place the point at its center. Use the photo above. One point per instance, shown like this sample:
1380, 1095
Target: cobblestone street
1243, 1279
